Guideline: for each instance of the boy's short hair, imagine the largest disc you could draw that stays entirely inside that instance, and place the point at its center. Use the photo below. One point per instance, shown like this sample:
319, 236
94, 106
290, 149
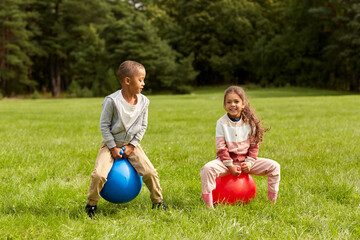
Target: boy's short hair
128, 68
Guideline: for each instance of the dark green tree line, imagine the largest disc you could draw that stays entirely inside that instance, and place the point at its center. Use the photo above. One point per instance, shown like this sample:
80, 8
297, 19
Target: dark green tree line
76, 46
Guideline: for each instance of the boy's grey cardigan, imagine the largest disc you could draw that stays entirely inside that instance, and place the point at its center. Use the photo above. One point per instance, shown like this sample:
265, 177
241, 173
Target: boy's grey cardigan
111, 126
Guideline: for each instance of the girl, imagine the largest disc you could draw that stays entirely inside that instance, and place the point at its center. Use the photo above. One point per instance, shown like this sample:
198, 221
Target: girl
238, 135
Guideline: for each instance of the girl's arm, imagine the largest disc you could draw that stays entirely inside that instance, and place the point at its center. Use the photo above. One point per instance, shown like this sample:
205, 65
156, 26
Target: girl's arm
253, 149
221, 147
223, 151
251, 156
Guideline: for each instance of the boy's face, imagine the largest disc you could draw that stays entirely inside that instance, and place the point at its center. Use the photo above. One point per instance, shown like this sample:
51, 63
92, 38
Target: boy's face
233, 105
137, 82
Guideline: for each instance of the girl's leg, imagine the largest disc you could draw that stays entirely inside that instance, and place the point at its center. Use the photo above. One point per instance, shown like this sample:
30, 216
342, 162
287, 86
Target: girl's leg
270, 168
208, 174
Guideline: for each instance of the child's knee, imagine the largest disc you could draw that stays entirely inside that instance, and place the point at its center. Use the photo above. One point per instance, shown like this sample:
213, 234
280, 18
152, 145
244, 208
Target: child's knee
150, 173
97, 176
206, 169
275, 168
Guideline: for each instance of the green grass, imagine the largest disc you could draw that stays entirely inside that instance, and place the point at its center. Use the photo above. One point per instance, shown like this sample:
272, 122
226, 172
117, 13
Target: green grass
48, 150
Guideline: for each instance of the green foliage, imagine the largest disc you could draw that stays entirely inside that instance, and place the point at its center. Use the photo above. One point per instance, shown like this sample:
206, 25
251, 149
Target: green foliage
16, 47
292, 56
185, 76
45, 44
86, 56
107, 85
72, 49
319, 43
342, 19
35, 95
133, 37
75, 90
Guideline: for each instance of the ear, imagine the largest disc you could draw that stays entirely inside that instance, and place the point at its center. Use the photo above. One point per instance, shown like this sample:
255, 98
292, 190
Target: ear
127, 81
243, 105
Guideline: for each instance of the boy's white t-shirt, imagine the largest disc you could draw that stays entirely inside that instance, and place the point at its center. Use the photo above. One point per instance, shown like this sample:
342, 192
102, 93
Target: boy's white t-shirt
129, 112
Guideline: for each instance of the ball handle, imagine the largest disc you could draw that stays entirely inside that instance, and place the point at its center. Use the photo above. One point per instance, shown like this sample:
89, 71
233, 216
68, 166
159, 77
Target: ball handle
122, 150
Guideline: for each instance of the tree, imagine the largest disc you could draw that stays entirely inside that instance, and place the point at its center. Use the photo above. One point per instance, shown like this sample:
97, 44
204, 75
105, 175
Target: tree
218, 33
69, 37
16, 48
341, 20
130, 35
293, 55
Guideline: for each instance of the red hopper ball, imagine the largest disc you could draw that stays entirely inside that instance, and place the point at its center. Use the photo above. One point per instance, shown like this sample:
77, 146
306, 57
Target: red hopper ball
230, 189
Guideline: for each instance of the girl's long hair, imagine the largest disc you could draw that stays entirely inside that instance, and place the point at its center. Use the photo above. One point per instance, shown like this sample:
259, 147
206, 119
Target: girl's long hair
248, 114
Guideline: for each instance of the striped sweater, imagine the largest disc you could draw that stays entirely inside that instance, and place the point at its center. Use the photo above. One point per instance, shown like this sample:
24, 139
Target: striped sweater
234, 143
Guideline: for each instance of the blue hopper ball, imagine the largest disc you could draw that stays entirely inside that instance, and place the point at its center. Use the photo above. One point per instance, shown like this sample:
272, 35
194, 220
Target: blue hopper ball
123, 183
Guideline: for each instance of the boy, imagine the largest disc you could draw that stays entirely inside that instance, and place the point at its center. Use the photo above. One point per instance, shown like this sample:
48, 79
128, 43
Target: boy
123, 123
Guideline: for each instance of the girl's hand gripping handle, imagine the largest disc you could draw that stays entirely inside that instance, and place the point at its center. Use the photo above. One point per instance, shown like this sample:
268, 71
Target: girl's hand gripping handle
234, 170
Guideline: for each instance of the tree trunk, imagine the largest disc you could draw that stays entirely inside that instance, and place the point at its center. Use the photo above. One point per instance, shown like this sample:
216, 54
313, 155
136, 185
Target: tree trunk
58, 79
3, 52
354, 83
55, 65
2, 62
55, 76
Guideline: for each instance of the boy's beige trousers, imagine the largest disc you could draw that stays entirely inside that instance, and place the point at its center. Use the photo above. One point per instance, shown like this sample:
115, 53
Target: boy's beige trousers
138, 160
262, 166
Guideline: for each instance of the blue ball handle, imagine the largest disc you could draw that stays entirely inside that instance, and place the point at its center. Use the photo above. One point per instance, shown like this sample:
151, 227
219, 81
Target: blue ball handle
122, 151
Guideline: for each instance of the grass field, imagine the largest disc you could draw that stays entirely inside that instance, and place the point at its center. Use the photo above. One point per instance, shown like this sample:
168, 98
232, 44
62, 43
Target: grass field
48, 150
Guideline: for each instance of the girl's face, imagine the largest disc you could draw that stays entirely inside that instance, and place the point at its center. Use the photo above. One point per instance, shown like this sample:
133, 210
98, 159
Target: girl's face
233, 105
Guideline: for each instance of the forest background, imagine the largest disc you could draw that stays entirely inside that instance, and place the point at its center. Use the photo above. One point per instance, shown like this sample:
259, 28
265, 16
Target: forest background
57, 47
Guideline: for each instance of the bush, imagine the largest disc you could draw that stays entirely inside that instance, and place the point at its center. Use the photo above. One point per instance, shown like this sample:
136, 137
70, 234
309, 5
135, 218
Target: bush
35, 95
105, 86
75, 90
182, 89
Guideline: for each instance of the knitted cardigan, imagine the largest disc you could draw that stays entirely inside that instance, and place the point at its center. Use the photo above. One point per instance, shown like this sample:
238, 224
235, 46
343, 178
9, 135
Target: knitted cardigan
234, 143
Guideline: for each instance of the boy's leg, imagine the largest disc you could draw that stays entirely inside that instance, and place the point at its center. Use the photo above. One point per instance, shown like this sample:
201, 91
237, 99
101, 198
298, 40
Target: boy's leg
144, 167
209, 173
103, 164
270, 168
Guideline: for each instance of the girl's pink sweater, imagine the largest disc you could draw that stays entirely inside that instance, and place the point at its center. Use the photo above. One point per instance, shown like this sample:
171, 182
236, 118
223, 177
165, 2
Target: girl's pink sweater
233, 141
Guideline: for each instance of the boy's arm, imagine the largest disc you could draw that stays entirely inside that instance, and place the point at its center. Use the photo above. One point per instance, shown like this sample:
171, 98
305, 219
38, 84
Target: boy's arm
137, 138
105, 122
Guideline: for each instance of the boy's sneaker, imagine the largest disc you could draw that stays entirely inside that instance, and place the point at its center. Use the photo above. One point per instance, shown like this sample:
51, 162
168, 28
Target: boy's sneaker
90, 210
160, 205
